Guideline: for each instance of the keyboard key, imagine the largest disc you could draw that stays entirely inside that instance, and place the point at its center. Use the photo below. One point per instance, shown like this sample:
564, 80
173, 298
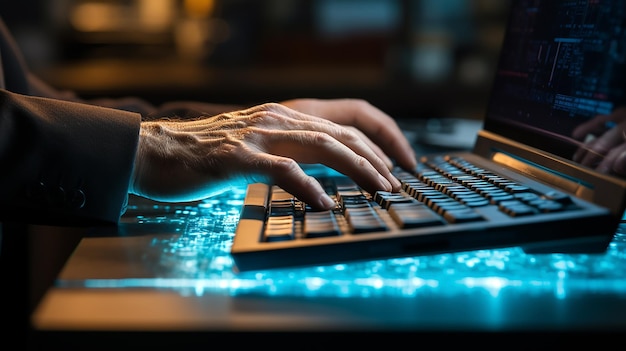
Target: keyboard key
279, 228
414, 216
462, 216
386, 198
364, 220
558, 197
320, 224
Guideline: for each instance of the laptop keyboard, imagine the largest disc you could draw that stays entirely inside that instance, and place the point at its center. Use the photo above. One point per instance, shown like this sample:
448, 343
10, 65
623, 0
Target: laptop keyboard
441, 191
446, 204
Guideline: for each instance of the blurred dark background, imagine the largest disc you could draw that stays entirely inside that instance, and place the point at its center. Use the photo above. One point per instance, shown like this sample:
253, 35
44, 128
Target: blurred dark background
411, 58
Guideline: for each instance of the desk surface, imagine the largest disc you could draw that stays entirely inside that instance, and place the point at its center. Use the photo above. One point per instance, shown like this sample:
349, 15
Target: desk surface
167, 268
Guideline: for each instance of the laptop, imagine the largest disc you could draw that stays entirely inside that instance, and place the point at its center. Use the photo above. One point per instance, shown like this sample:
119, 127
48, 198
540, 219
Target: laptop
523, 183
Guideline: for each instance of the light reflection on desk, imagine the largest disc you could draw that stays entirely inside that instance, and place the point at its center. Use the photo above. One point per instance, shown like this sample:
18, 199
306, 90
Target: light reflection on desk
196, 261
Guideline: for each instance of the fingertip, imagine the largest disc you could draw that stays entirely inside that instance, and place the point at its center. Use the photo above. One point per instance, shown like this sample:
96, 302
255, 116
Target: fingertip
619, 165
395, 184
409, 161
326, 202
384, 183
412, 164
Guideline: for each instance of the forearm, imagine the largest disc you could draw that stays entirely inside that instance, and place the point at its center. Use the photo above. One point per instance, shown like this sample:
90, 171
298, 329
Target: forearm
64, 162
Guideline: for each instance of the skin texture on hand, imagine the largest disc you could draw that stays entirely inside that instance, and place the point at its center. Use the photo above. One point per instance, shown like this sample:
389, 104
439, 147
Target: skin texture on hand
382, 130
188, 160
604, 147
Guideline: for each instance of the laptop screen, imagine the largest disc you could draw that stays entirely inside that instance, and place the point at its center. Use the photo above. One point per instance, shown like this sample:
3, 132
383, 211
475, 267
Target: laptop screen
560, 83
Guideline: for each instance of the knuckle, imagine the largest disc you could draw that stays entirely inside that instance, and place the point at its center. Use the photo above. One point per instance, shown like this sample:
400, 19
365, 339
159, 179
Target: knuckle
320, 138
226, 116
264, 116
361, 104
285, 166
350, 134
362, 161
268, 107
272, 106
346, 135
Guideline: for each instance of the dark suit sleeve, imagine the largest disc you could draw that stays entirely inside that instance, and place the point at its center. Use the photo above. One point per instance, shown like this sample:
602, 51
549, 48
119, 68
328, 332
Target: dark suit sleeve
64, 162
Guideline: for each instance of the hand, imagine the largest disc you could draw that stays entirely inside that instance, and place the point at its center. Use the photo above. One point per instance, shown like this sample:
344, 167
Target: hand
604, 147
190, 159
362, 117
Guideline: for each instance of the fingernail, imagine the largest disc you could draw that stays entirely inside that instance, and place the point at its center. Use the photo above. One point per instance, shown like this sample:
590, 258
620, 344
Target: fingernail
385, 183
327, 201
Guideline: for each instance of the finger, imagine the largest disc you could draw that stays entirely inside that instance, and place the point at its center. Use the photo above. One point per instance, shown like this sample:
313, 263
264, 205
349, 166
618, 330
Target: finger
378, 126
593, 154
619, 163
381, 128
614, 162
597, 149
357, 142
595, 126
320, 147
379, 152
287, 174
580, 153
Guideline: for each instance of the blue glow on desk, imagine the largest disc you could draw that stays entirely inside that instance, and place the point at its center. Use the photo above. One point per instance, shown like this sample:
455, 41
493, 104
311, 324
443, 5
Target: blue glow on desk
196, 261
